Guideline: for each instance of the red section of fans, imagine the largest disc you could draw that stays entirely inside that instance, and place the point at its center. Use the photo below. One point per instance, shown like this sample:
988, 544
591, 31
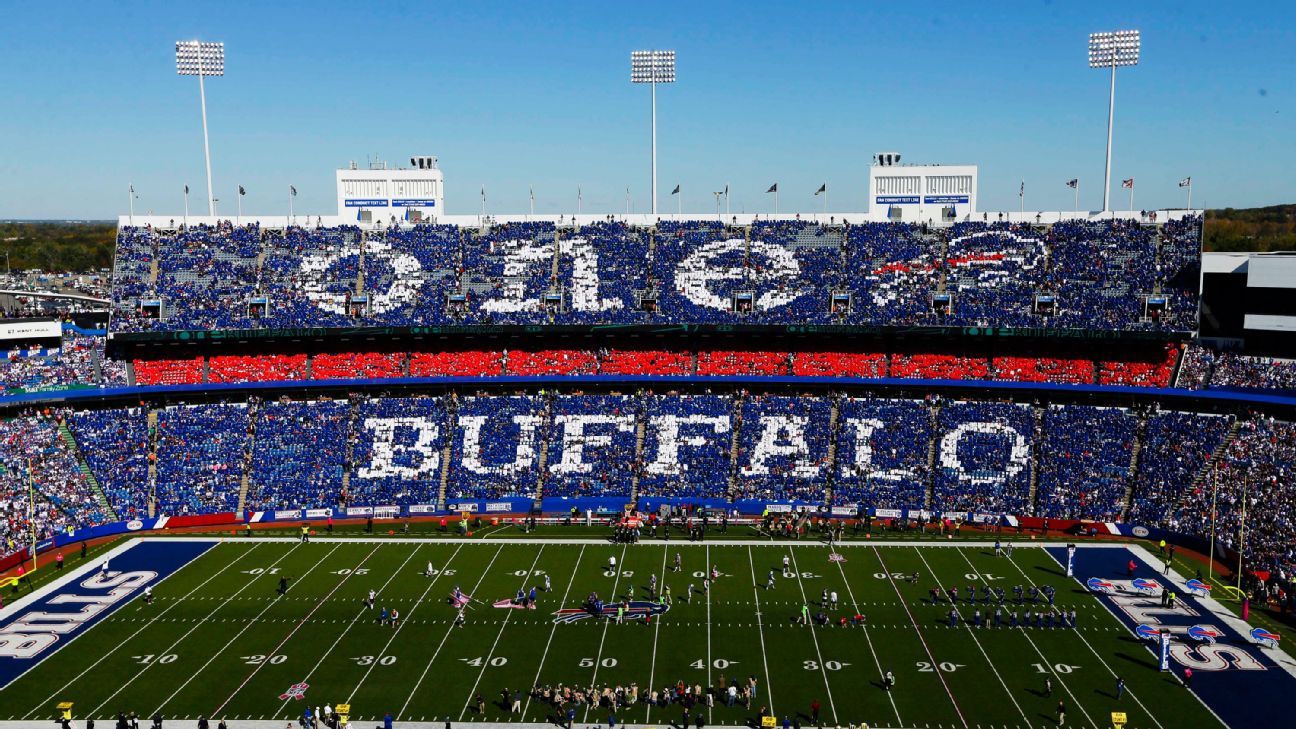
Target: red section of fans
358, 366
939, 367
839, 364
552, 362
722, 362
262, 368
1138, 370
1139, 373
456, 364
169, 371
655, 362
1043, 369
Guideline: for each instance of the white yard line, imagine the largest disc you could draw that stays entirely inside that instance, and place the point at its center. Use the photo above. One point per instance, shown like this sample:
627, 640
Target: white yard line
598, 658
652, 667
1039, 653
602, 541
706, 571
293, 632
105, 654
554, 629
445, 637
402, 625
1097, 655
977, 641
760, 630
815, 638
182, 638
921, 639
503, 624
869, 640
343, 632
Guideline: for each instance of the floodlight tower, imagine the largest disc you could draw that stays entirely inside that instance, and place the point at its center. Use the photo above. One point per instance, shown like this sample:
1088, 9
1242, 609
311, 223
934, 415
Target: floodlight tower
653, 67
1109, 50
200, 58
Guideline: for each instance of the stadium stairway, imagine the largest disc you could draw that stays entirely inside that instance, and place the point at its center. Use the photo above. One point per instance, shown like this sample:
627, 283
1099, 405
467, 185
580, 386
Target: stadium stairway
930, 486
100, 497
254, 406
640, 433
452, 426
1200, 479
544, 452
152, 461
834, 418
1140, 431
1036, 440
734, 430
350, 447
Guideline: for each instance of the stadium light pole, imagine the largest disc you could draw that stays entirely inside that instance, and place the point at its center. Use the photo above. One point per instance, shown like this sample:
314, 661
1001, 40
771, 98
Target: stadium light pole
1111, 49
200, 58
652, 68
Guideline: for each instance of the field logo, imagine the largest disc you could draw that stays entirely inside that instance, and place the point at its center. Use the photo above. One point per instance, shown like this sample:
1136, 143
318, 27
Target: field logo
636, 610
1147, 632
836, 557
1145, 586
1197, 587
1100, 585
296, 691
509, 603
1265, 637
1203, 633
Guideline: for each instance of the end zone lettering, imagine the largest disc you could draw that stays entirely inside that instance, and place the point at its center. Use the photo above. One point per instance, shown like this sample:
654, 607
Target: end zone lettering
35, 630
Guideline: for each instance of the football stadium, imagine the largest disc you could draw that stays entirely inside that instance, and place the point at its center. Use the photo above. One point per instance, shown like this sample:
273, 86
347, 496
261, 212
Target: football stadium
921, 466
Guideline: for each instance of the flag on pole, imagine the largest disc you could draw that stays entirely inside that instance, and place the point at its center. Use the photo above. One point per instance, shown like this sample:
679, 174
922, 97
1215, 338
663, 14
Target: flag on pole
186, 189
292, 190
242, 191
1185, 182
772, 188
822, 188
675, 191
1073, 183
1022, 191
1128, 184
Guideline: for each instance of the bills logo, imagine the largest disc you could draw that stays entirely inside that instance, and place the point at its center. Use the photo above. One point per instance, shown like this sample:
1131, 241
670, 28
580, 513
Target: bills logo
1141, 584
296, 692
1198, 587
637, 610
1099, 585
1265, 637
1203, 633
1147, 632
989, 258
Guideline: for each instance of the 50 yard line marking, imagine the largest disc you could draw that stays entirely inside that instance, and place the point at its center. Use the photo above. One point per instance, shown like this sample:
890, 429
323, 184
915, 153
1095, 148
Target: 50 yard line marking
401, 627
760, 629
814, 637
142, 628
921, 639
554, 629
652, 667
977, 641
445, 637
599, 657
876, 662
354, 620
503, 624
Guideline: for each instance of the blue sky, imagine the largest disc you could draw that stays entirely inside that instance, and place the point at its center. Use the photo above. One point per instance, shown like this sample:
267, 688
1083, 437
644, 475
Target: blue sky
516, 94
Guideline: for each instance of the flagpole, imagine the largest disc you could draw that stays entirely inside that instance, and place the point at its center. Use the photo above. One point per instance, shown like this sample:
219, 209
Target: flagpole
186, 197
130, 196
1190, 193
1077, 199
680, 202
290, 205
238, 218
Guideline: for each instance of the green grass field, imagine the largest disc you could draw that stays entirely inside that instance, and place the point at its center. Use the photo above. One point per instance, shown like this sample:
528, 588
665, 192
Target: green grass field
218, 642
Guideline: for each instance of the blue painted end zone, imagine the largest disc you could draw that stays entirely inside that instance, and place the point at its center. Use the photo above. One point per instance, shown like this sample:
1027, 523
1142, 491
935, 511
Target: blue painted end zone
40, 629
1241, 684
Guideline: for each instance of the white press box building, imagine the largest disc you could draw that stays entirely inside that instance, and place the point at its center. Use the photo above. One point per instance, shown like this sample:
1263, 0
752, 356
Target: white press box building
380, 192
915, 193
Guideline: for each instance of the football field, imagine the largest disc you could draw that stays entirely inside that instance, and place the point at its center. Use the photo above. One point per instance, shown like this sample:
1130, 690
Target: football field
218, 641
